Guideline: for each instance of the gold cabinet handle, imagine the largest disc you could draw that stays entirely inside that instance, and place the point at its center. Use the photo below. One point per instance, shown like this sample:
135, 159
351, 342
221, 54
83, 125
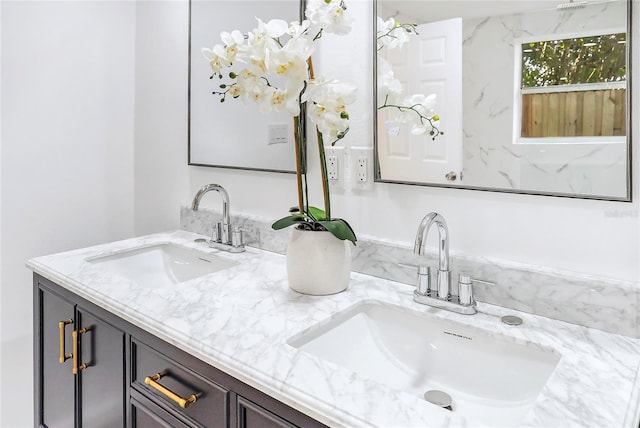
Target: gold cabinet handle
76, 334
61, 326
152, 381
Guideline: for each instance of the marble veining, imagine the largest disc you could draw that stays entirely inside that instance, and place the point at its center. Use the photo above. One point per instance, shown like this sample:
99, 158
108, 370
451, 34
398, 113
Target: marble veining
595, 302
240, 319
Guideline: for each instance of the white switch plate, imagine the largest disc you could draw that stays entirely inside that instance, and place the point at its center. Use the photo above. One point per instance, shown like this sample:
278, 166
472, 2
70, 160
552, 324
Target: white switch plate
278, 133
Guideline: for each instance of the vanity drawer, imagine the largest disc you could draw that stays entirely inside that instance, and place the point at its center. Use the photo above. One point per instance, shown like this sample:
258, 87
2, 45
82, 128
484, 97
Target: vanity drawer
174, 386
146, 414
250, 415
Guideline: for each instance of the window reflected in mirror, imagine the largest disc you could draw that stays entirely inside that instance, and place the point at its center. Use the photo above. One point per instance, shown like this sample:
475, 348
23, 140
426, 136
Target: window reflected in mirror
574, 87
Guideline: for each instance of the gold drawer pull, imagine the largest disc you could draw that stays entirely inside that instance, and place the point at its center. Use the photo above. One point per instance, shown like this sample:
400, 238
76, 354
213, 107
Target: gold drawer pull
75, 334
61, 326
152, 381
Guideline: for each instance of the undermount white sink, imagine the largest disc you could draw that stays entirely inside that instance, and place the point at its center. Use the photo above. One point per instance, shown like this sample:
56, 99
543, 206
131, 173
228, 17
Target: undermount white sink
491, 379
162, 265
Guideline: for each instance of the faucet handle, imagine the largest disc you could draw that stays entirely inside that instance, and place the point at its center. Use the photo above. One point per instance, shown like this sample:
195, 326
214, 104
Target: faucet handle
236, 236
423, 285
465, 289
215, 233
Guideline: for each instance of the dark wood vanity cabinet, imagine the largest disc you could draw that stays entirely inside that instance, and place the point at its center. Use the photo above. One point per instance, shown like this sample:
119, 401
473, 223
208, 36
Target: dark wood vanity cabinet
126, 377
79, 365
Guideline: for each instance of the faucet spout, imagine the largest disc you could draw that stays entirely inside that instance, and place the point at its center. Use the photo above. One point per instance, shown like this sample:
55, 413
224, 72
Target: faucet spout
444, 274
225, 200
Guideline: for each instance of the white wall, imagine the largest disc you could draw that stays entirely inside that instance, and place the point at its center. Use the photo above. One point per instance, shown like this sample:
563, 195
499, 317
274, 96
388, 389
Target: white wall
161, 114
67, 153
594, 237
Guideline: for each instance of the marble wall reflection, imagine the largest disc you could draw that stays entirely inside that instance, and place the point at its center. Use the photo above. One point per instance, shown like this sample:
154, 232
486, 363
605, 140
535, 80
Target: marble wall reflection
490, 157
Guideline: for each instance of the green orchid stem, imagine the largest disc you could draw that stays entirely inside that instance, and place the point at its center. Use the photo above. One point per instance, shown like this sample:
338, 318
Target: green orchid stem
325, 177
297, 128
323, 162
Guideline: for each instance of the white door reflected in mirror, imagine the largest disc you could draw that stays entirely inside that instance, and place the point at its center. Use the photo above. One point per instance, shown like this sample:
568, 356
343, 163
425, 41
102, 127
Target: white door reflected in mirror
430, 62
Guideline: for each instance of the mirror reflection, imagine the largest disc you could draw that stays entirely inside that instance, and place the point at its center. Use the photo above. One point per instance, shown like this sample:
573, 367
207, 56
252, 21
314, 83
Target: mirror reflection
530, 96
265, 141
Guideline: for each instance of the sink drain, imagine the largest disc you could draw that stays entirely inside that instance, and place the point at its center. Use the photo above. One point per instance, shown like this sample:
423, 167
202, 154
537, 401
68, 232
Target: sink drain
439, 398
199, 240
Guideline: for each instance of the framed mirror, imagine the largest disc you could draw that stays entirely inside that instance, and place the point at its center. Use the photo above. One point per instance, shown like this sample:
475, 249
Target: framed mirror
530, 96
264, 141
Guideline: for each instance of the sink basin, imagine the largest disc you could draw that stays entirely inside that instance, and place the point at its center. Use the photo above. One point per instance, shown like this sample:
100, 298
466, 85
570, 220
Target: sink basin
491, 379
162, 265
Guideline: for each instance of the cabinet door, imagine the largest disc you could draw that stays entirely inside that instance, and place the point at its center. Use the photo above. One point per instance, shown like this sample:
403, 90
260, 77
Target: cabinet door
101, 388
54, 381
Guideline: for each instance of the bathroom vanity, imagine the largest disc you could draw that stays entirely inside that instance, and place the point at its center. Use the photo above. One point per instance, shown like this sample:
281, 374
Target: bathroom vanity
120, 375
227, 343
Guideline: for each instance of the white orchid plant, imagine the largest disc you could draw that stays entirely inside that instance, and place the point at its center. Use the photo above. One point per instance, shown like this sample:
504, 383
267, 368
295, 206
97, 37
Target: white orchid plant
417, 110
271, 66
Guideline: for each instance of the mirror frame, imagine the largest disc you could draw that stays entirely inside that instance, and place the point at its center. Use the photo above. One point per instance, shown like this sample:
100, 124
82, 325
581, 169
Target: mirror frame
303, 116
627, 198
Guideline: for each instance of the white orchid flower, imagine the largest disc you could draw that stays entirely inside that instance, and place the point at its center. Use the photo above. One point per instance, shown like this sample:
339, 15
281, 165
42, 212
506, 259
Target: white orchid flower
283, 100
297, 29
290, 62
391, 34
330, 15
274, 69
274, 28
232, 41
388, 86
233, 38
328, 110
216, 61
250, 86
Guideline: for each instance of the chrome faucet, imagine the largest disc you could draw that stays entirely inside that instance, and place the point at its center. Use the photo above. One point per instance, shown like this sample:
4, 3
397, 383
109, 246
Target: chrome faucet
441, 298
444, 274
224, 236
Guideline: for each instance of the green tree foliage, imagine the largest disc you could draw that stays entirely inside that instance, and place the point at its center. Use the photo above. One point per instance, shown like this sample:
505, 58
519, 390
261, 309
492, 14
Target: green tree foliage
577, 60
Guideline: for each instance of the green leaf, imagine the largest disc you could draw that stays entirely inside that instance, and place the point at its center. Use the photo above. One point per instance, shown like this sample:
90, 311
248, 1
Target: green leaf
317, 213
287, 221
340, 229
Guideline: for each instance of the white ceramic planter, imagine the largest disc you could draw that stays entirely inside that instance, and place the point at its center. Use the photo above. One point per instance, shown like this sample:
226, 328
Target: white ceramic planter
318, 263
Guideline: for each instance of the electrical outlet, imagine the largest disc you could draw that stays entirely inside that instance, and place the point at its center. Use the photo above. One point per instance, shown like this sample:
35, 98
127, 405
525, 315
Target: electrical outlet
336, 172
361, 163
332, 167
361, 170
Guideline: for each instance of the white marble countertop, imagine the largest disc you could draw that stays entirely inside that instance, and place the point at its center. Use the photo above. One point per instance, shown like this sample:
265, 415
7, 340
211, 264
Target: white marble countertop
239, 320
